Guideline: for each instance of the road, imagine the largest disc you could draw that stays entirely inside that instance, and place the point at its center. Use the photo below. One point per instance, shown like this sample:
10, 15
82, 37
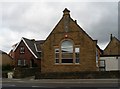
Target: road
60, 83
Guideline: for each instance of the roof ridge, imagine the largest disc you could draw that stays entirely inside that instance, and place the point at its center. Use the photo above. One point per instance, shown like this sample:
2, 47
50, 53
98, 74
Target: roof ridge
116, 38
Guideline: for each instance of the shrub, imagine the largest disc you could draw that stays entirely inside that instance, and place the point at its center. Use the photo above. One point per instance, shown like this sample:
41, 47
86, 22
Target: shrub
6, 67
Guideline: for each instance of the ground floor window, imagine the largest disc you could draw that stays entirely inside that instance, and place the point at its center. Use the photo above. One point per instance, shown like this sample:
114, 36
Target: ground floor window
22, 62
19, 62
102, 65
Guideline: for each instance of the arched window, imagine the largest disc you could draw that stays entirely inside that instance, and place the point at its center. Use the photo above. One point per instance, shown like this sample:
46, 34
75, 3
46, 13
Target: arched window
67, 52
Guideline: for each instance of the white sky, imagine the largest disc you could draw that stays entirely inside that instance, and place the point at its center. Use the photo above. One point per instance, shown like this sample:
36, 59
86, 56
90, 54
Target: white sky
35, 19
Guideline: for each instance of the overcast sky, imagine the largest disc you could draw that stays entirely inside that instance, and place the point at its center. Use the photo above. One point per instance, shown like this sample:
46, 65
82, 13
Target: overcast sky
36, 19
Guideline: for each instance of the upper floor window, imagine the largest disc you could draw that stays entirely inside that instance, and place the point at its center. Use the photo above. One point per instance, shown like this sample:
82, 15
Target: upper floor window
67, 53
56, 55
22, 49
77, 55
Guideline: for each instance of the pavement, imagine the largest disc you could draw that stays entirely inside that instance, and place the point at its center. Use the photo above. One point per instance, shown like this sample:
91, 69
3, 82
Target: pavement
58, 83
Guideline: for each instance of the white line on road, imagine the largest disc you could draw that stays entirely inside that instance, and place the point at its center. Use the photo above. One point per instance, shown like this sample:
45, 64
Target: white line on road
38, 86
8, 85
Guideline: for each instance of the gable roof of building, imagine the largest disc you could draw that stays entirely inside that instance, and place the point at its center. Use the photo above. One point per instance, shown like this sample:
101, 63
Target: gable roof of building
113, 38
32, 45
110, 44
64, 13
2, 52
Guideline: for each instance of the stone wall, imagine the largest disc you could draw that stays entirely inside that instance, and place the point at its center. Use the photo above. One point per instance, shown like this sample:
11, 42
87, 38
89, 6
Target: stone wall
80, 39
113, 48
25, 72
80, 75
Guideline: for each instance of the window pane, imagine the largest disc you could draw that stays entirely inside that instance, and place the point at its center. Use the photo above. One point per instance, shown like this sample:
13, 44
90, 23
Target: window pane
57, 61
57, 55
56, 50
22, 49
67, 60
67, 51
19, 62
77, 61
66, 44
24, 63
102, 63
67, 55
77, 55
76, 50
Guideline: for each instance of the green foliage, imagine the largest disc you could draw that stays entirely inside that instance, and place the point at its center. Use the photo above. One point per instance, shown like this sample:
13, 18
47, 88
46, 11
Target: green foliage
6, 68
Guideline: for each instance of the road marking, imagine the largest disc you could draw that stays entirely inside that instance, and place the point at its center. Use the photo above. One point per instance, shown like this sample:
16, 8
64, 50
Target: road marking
8, 85
38, 86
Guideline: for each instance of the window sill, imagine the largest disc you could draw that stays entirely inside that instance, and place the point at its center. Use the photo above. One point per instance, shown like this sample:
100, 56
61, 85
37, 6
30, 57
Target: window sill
71, 64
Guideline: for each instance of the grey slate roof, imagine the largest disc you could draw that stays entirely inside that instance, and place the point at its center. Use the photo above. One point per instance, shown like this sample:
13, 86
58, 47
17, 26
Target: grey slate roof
34, 45
38, 43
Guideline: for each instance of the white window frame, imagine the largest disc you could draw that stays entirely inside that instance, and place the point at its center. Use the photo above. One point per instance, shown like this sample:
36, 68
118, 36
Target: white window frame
22, 49
19, 62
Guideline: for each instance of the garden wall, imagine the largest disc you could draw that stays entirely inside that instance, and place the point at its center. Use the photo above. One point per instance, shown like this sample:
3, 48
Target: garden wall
79, 75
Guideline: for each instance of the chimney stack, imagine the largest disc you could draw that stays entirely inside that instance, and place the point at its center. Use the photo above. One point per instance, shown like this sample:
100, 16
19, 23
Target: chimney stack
110, 36
66, 12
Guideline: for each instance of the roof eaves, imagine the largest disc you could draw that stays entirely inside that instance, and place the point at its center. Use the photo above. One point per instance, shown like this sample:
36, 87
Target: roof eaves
30, 48
23, 39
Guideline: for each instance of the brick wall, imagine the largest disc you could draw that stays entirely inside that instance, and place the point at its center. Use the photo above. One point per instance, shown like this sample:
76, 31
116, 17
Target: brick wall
28, 56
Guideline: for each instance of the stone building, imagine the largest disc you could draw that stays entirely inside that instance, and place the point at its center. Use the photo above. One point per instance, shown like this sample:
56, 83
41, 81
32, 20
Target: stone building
113, 47
5, 59
68, 48
110, 59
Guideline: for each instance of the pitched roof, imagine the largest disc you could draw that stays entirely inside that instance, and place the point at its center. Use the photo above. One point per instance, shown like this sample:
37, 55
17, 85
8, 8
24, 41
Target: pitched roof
62, 19
2, 52
37, 45
32, 45
113, 38
113, 46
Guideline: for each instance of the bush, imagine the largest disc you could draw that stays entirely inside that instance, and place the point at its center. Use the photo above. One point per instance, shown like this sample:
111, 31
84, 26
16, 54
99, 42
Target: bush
6, 68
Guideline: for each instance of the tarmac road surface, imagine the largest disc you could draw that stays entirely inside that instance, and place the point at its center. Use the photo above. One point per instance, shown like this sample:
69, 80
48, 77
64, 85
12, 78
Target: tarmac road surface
60, 84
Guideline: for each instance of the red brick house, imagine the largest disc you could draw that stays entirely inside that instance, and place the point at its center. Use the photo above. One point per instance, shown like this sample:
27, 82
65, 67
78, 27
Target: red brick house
69, 48
27, 53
